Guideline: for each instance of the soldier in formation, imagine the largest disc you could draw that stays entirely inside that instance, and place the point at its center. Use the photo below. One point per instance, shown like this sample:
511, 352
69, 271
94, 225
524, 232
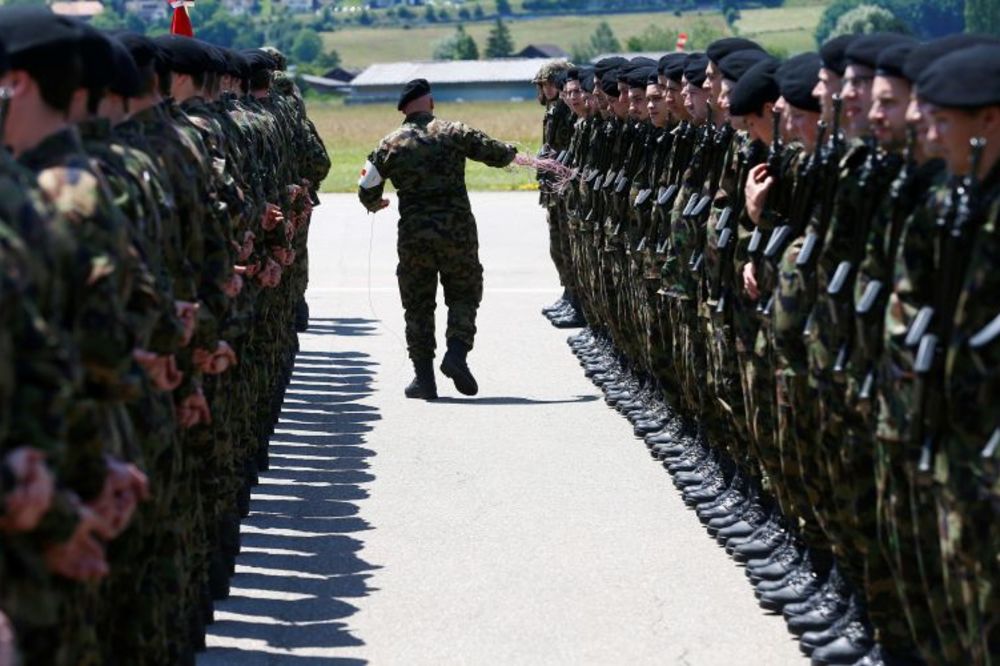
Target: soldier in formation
788, 274
156, 198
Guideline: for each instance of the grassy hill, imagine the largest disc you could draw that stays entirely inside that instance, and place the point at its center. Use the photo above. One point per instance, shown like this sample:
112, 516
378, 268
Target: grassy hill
787, 28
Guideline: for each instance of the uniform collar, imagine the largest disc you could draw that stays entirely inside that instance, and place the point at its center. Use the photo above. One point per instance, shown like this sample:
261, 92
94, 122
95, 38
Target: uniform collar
419, 118
52, 149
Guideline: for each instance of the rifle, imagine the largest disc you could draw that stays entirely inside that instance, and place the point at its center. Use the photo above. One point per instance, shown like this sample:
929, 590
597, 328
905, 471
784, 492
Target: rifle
714, 164
871, 305
932, 329
726, 226
830, 164
760, 240
841, 287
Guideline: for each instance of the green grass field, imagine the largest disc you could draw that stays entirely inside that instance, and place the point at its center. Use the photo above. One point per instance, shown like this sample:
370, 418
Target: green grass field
351, 132
790, 28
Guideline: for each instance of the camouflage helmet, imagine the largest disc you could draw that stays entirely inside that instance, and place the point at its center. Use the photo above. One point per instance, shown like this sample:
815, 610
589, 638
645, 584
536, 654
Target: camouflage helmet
549, 70
280, 61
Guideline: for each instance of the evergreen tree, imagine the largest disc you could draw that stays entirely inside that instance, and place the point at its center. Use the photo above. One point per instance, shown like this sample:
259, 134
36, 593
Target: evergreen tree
503, 8
982, 16
603, 40
499, 44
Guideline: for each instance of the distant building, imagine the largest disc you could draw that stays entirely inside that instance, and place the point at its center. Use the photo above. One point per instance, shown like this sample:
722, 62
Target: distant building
323, 84
81, 9
340, 74
506, 79
148, 10
550, 51
296, 6
239, 7
655, 55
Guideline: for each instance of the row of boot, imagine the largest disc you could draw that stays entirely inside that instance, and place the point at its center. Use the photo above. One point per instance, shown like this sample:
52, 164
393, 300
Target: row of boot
565, 312
820, 608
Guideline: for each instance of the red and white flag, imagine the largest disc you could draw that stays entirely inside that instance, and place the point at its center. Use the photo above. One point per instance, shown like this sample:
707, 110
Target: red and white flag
181, 23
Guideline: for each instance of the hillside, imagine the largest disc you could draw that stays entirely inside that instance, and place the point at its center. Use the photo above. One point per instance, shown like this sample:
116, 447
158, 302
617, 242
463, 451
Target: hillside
788, 29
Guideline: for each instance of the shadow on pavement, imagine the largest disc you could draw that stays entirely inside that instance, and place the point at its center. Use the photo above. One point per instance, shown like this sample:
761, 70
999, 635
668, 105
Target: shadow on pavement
300, 565
507, 401
350, 327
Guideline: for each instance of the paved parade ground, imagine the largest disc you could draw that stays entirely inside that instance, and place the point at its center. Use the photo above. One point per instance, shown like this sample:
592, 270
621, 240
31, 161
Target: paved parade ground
523, 526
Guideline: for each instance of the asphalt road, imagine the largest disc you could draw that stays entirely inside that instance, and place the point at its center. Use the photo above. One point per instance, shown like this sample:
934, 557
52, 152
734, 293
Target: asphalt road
524, 526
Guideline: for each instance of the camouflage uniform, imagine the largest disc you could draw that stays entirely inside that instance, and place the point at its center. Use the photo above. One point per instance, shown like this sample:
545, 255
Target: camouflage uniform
425, 160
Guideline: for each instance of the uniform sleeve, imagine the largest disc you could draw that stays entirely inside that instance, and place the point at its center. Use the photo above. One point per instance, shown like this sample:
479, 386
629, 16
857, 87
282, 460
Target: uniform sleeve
482, 148
371, 184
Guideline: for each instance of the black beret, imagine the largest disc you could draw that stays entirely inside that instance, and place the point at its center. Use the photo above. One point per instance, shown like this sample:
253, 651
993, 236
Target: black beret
559, 78
606, 65
587, 79
653, 79
217, 61
97, 57
184, 55
415, 89
720, 48
966, 79
796, 79
834, 53
259, 61
694, 68
865, 50
637, 77
755, 88
642, 61
891, 60
144, 50
609, 84
736, 64
34, 35
924, 55
573, 74
672, 66
237, 65
126, 80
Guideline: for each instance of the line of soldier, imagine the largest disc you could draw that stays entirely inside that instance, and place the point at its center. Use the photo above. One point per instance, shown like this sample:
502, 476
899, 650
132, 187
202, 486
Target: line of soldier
789, 275
155, 197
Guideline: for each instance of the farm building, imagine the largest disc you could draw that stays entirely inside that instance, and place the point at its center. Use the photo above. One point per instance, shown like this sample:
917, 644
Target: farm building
505, 79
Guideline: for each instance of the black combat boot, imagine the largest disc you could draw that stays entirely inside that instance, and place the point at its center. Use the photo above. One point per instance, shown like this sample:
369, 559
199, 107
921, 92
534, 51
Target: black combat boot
455, 368
423, 386
302, 316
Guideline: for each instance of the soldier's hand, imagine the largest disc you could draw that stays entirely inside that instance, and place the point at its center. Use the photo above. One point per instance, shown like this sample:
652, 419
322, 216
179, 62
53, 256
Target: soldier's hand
124, 486
750, 281
187, 312
381, 205
234, 285
31, 497
270, 276
161, 370
82, 557
272, 217
759, 183
246, 249
193, 409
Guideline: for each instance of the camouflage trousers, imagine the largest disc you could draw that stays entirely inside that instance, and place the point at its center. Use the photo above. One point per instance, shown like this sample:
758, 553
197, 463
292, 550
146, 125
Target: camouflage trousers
559, 246
423, 258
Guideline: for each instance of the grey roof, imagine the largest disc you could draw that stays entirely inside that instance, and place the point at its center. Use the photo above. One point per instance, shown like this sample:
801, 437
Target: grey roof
324, 83
655, 55
548, 50
504, 70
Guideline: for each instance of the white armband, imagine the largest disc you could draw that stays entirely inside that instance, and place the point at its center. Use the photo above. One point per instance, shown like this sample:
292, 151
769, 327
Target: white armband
370, 177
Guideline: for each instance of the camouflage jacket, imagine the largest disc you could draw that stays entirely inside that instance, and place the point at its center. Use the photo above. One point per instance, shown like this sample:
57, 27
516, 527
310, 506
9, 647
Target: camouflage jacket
425, 161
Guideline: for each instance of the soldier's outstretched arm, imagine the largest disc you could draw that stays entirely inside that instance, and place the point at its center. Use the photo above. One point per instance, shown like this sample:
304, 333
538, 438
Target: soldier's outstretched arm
482, 148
